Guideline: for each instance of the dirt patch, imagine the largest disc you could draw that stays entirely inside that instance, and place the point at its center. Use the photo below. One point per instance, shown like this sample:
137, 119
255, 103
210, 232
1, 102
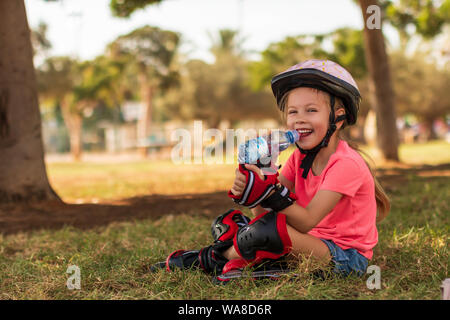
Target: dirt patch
19, 217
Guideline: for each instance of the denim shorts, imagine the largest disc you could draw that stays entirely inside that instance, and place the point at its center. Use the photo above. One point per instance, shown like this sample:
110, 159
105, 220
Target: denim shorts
346, 262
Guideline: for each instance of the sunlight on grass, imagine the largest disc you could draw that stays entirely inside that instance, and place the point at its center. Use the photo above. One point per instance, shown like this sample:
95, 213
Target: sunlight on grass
90, 181
432, 153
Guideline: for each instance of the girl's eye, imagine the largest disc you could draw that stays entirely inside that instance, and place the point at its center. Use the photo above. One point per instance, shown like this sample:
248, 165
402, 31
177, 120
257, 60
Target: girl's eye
312, 110
292, 111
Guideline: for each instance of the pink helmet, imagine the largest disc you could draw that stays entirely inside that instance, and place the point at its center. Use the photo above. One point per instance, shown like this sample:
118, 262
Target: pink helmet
324, 75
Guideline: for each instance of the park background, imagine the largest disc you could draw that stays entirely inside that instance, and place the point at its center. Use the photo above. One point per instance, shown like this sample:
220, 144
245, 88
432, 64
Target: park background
97, 188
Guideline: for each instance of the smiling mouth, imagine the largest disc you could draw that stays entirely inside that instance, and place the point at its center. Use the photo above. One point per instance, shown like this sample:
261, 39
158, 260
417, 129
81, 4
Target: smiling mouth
304, 132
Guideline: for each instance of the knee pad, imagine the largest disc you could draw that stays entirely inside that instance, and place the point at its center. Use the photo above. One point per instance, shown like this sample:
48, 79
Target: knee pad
225, 226
265, 237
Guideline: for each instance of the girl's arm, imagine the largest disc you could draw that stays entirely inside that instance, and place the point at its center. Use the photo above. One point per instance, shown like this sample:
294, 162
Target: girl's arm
304, 219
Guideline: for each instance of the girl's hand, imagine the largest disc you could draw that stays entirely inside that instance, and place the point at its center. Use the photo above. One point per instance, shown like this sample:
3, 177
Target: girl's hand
238, 184
240, 181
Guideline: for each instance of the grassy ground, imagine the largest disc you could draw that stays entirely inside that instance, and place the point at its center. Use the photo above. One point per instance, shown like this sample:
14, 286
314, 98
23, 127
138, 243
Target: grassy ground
412, 252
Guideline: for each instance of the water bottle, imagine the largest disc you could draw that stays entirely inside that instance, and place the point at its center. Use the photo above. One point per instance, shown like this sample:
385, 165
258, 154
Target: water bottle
264, 150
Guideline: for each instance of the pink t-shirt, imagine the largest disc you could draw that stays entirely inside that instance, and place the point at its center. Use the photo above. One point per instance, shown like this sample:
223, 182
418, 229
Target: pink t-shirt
352, 222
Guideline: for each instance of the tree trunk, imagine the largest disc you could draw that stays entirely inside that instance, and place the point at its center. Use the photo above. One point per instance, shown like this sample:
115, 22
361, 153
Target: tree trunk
430, 134
145, 120
74, 122
23, 175
380, 85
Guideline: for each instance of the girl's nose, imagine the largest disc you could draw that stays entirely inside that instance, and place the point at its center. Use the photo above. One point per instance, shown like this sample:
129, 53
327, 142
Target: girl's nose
299, 119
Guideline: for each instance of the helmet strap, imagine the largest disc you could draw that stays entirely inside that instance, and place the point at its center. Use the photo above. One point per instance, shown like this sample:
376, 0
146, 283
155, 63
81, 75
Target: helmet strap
312, 153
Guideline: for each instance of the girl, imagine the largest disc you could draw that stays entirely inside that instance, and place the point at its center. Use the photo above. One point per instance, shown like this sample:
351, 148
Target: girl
334, 217
323, 203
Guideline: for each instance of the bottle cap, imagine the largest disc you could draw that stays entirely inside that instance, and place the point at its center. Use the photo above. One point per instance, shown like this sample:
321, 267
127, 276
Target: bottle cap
293, 136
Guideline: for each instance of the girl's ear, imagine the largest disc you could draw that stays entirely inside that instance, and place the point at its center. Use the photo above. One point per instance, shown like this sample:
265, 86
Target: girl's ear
339, 112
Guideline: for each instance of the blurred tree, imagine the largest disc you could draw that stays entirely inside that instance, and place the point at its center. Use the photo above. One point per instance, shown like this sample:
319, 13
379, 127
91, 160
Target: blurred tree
39, 40
234, 99
124, 8
23, 175
380, 84
150, 52
226, 43
55, 78
281, 55
422, 89
219, 91
347, 49
424, 17
78, 87
428, 17
254, 101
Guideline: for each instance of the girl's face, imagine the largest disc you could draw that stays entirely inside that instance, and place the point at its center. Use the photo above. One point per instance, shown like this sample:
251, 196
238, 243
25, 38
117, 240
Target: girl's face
308, 112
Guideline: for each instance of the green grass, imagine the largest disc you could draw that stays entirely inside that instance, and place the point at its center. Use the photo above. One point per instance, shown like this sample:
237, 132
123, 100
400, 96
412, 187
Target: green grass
434, 152
412, 251
97, 181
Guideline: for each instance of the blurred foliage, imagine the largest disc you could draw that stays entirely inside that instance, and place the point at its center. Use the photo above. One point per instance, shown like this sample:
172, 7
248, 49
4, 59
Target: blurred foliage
234, 88
345, 46
148, 50
41, 44
427, 17
219, 91
77, 88
422, 88
150, 55
77, 85
227, 42
56, 78
124, 8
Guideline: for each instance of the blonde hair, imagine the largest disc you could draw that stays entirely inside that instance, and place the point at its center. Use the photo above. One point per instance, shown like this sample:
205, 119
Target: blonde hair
381, 198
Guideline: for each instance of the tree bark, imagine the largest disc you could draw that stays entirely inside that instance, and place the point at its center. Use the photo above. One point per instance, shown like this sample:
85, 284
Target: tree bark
380, 85
23, 175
